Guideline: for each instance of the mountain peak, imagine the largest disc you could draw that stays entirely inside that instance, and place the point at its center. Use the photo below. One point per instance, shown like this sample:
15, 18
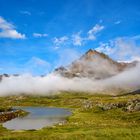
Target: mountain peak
91, 52
94, 64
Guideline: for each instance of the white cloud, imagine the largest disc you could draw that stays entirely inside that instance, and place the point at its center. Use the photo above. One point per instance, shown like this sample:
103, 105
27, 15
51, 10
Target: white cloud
105, 47
60, 41
77, 39
92, 32
122, 48
51, 84
7, 30
91, 35
38, 35
11, 34
25, 13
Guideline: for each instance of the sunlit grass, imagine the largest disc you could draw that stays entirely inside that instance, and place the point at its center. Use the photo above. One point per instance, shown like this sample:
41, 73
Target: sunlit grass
85, 123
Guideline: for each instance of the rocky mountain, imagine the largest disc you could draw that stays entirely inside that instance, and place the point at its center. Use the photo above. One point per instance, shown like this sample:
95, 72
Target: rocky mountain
94, 64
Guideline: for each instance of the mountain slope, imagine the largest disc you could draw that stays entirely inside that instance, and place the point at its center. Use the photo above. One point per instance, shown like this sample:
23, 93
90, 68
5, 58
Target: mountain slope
94, 64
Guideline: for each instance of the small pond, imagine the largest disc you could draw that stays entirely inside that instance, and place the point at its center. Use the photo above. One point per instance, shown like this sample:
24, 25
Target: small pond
37, 118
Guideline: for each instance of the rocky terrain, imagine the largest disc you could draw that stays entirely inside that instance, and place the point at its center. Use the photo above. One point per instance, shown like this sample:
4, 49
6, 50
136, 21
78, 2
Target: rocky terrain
11, 114
131, 105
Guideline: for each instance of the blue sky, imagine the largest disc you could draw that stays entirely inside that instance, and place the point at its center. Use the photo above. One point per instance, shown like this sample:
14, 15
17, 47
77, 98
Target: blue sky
37, 36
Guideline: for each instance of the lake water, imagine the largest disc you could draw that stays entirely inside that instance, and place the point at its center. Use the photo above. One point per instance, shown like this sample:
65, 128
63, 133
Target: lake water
37, 118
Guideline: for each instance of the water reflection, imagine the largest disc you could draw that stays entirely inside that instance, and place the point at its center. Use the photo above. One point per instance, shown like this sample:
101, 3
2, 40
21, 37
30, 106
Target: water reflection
39, 117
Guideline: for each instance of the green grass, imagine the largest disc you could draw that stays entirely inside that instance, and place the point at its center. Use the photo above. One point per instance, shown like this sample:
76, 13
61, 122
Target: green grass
91, 123
5, 108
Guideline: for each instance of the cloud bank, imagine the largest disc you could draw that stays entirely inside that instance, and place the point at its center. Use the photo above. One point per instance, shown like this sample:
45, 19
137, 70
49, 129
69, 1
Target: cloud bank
52, 83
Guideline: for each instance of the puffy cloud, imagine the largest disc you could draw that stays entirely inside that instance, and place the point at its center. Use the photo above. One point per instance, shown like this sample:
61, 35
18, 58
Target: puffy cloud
92, 32
105, 48
38, 35
91, 35
77, 39
60, 41
122, 48
7, 30
11, 34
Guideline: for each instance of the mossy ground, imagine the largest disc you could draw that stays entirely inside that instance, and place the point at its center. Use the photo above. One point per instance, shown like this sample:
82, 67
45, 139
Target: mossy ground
86, 122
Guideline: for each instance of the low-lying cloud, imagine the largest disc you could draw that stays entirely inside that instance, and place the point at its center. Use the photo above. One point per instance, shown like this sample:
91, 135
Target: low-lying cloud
52, 83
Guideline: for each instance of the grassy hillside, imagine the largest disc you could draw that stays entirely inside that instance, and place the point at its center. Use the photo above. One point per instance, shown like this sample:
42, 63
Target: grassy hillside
97, 117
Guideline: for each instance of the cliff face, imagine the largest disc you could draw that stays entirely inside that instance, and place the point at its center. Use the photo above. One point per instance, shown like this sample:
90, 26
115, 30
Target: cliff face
94, 64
